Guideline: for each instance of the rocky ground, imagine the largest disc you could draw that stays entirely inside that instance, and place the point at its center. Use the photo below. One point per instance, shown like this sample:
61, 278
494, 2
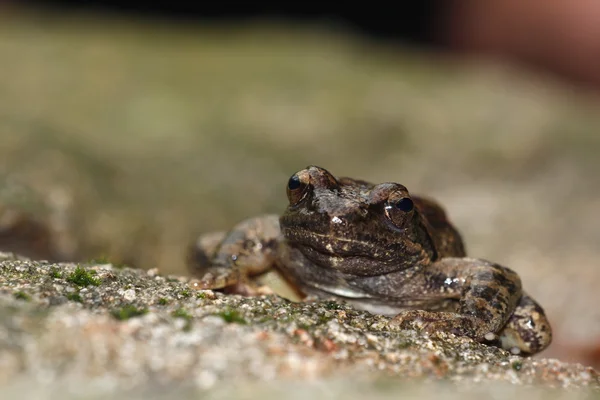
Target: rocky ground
96, 330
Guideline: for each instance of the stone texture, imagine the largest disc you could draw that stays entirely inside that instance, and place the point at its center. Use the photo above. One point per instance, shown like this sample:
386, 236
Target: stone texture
96, 329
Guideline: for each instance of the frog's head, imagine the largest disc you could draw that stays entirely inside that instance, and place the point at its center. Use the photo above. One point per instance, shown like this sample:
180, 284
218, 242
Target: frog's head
354, 226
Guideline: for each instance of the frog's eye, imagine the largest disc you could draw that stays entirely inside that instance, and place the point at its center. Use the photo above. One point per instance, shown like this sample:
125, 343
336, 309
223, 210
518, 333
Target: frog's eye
294, 183
404, 204
296, 189
398, 210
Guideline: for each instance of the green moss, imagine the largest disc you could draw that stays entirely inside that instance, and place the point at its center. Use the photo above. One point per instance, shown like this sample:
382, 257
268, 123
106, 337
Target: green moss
201, 295
56, 273
74, 297
128, 311
163, 302
182, 313
232, 316
517, 365
185, 293
22, 296
81, 277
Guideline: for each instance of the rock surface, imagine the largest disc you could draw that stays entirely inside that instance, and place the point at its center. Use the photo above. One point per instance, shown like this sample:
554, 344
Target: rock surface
96, 330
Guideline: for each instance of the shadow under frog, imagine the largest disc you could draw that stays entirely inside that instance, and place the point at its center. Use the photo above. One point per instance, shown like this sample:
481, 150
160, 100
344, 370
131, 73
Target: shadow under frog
382, 250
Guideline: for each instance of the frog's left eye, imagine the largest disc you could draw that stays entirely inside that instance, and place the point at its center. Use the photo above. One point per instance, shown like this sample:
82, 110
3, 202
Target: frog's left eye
404, 204
297, 188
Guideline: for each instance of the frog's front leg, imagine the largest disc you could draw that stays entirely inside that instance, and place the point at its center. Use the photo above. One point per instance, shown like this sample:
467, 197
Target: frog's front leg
486, 294
227, 259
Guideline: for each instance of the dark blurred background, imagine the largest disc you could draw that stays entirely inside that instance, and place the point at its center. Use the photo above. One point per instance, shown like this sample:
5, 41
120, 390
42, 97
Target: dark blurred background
128, 128
411, 23
561, 38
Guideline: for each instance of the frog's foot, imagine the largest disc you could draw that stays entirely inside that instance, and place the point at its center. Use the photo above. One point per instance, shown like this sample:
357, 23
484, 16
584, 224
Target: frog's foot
224, 259
527, 331
229, 281
199, 261
217, 278
436, 321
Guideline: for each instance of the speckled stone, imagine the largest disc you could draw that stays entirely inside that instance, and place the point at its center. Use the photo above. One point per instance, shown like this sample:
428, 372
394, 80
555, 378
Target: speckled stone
114, 330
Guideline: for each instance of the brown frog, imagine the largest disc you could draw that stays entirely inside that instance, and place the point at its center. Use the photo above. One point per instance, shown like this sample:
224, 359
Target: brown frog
382, 250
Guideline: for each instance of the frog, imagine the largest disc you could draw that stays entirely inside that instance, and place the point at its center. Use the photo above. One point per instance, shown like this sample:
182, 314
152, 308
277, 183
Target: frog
379, 249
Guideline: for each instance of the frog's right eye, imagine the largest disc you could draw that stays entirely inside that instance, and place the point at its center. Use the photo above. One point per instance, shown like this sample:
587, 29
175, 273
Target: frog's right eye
296, 189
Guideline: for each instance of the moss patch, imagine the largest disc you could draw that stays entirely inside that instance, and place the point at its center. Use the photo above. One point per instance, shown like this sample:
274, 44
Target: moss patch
56, 273
22, 296
517, 365
182, 313
74, 297
128, 311
232, 316
81, 277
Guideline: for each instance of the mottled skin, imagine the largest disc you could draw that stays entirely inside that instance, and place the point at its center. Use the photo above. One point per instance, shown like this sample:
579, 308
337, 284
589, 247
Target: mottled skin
380, 249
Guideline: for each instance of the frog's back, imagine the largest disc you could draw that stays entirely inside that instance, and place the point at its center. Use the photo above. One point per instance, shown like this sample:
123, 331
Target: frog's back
447, 239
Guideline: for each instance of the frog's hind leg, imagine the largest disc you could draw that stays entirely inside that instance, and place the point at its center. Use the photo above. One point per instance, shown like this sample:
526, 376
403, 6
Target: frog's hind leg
528, 330
226, 260
486, 295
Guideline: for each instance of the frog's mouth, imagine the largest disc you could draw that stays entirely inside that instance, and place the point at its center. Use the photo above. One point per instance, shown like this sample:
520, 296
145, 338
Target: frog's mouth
328, 243
350, 256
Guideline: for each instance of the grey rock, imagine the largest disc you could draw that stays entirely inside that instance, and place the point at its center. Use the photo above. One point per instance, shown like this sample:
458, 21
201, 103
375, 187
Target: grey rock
95, 329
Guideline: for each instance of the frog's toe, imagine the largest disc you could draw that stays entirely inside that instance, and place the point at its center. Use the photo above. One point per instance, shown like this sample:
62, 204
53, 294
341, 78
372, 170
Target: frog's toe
216, 278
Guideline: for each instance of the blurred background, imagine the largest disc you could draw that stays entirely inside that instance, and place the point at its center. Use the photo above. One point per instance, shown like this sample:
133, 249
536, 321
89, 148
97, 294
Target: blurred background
128, 129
